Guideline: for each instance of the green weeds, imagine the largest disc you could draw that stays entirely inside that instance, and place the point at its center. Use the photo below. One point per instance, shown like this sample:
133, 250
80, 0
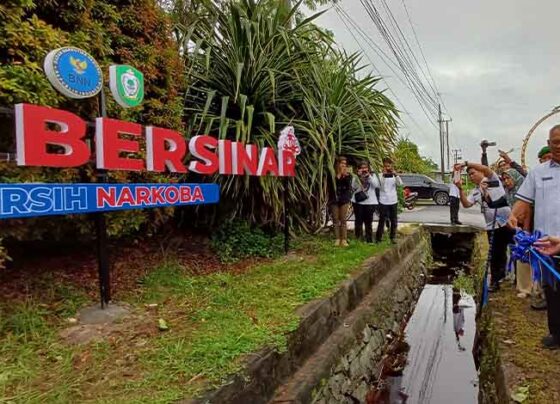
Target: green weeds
214, 321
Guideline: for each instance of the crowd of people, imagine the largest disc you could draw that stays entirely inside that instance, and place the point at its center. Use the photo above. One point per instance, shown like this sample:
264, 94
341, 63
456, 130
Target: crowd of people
512, 199
369, 193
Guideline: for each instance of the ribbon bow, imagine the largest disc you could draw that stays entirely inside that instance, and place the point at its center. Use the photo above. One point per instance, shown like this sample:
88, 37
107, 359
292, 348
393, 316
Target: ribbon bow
524, 251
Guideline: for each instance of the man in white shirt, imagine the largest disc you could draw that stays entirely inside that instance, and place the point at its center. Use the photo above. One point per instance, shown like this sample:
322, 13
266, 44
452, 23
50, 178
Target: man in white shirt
388, 200
365, 184
454, 198
539, 197
490, 195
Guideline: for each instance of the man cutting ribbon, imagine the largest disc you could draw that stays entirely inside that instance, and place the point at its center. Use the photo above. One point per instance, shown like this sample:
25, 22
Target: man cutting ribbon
540, 193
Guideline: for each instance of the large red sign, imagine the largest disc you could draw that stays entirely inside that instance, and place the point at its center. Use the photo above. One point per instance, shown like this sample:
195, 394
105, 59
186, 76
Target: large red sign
39, 127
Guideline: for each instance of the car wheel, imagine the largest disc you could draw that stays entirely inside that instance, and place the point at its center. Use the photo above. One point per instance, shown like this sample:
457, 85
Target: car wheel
441, 198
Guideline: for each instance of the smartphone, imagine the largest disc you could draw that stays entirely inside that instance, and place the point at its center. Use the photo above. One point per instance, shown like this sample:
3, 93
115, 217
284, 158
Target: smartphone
493, 184
388, 175
456, 176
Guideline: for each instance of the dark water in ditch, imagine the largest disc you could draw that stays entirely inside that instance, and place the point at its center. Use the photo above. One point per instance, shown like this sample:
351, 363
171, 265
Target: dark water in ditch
440, 365
437, 362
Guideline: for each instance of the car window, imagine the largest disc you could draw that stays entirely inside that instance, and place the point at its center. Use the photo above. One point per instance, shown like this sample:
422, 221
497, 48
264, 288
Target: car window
410, 180
407, 179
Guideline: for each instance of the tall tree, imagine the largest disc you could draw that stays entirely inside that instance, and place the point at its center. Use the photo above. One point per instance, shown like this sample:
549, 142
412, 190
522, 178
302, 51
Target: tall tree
253, 70
408, 158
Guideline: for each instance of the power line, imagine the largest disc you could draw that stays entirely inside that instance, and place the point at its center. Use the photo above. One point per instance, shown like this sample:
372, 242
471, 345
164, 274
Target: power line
343, 15
404, 53
423, 55
404, 42
426, 105
402, 57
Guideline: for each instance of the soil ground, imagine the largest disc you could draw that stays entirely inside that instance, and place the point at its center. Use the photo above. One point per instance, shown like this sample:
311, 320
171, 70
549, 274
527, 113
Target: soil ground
214, 314
519, 330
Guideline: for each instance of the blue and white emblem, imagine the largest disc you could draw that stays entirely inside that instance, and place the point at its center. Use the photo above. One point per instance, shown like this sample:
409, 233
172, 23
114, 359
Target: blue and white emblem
73, 72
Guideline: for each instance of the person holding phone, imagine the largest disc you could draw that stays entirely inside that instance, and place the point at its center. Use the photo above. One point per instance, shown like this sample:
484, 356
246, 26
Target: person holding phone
364, 201
340, 194
491, 196
388, 200
454, 198
506, 163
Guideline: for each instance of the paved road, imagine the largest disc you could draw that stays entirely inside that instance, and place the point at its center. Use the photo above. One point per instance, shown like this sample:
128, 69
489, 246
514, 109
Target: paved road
431, 213
428, 212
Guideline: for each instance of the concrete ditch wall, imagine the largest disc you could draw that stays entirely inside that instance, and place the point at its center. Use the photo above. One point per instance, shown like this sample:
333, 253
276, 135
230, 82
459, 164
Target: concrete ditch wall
350, 379
336, 334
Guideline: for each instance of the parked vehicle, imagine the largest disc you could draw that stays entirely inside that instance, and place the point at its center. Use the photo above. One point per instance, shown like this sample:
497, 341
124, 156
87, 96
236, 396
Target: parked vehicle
410, 199
426, 188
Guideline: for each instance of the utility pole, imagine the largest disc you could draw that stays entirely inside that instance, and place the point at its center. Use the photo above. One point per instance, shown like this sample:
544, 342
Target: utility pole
457, 155
441, 143
447, 143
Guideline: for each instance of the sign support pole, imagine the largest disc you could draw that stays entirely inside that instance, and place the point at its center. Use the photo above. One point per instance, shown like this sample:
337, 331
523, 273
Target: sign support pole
101, 232
286, 219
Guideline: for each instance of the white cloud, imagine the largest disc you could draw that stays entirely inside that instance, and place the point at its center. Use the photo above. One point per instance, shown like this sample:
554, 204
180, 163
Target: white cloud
494, 61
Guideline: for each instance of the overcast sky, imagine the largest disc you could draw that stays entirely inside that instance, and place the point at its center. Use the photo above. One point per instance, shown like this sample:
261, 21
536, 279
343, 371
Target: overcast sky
495, 62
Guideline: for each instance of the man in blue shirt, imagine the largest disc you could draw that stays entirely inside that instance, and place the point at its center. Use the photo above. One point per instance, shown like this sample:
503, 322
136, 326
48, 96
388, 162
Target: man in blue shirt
540, 195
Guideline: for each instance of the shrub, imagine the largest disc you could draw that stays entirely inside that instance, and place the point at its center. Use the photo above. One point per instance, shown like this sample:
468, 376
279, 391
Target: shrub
135, 32
236, 240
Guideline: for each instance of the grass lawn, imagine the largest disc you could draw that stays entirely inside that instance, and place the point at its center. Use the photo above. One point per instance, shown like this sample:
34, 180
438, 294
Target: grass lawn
213, 321
526, 363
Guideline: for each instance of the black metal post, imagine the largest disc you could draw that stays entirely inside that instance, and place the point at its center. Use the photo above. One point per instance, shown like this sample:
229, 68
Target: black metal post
286, 219
101, 232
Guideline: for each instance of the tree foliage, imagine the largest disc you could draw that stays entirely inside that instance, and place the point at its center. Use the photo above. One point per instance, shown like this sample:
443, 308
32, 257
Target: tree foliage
135, 32
235, 69
409, 160
255, 69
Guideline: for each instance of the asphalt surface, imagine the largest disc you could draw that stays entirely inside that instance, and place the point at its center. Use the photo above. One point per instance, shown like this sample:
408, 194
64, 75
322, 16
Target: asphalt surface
429, 212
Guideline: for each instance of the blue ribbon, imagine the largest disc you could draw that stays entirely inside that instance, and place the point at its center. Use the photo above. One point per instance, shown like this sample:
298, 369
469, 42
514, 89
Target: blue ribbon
485, 290
524, 251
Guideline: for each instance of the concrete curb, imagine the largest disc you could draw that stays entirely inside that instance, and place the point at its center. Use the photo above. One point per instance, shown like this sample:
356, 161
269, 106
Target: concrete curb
268, 369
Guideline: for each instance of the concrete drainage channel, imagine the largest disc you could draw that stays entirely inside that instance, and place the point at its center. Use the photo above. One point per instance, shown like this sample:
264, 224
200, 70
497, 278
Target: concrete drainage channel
359, 346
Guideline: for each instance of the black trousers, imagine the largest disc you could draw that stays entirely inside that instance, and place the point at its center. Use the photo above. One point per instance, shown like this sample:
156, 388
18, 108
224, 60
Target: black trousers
387, 212
552, 294
363, 216
501, 238
454, 209
551, 290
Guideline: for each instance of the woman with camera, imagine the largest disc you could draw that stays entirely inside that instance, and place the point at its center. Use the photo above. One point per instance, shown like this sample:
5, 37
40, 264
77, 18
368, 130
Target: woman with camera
340, 194
364, 201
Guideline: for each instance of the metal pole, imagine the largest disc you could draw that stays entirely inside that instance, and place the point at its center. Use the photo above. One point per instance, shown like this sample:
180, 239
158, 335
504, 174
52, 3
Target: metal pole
441, 146
447, 140
101, 232
286, 219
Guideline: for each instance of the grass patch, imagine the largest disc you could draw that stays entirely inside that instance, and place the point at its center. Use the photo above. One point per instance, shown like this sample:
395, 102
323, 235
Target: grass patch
526, 362
214, 321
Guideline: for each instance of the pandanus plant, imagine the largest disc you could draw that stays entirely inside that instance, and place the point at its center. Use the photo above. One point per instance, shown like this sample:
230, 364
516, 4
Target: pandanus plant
253, 68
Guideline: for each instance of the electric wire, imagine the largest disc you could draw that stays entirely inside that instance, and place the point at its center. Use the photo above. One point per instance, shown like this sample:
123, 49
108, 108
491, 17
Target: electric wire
398, 45
340, 15
344, 15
